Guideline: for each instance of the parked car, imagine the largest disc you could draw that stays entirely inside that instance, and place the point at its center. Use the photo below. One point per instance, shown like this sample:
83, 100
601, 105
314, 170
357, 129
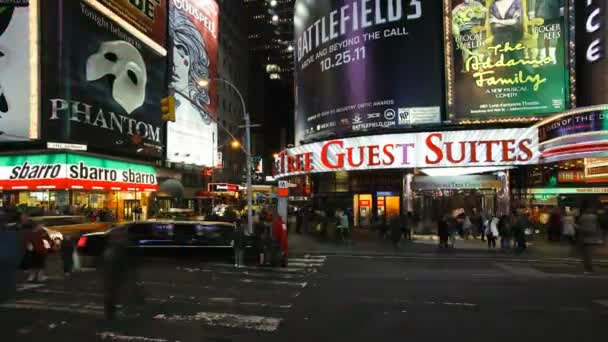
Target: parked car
159, 235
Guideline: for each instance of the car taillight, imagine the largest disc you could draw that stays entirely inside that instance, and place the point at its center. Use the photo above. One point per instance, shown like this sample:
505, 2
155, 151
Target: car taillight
82, 242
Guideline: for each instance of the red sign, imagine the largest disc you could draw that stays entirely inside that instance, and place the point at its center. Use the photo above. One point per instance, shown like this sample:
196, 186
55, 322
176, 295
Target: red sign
283, 192
381, 203
223, 187
207, 172
364, 203
571, 176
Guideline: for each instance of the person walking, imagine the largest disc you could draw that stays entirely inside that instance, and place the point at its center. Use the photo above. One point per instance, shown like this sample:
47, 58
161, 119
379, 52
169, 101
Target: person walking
491, 231
408, 226
443, 232
452, 231
505, 232
395, 231
37, 244
603, 219
568, 228
119, 272
67, 255
343, 226
520, 223
586, 231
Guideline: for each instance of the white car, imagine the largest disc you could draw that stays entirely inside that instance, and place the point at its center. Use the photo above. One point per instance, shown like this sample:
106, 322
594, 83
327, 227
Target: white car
56, 237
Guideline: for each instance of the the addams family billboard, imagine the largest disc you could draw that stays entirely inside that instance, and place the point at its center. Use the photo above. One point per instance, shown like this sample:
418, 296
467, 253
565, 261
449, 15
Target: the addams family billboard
505, 58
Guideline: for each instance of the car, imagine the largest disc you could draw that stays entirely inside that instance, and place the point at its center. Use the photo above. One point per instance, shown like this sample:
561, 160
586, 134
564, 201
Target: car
70, 224
56, 237
160, 235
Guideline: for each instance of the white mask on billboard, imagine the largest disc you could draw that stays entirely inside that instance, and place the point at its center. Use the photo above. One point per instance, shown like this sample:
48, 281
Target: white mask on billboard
121, 60
3, 64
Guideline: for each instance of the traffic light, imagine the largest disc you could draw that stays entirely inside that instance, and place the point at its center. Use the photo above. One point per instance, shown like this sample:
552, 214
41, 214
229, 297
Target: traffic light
167, 108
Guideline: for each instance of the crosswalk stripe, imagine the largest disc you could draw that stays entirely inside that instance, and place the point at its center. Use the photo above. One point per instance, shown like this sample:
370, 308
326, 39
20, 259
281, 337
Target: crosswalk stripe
249, 322
28, 286
111, 336
88, 309
319, 261
250, 273
178, 299
602, 302
274, 282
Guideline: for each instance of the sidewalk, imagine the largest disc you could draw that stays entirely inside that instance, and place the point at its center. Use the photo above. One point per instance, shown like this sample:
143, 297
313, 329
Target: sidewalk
371, 244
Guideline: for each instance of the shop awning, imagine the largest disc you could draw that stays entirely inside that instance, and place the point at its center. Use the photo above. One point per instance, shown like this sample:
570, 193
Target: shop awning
66, 171
172, 187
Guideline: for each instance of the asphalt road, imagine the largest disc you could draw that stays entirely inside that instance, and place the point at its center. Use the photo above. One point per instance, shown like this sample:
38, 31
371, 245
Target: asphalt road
317, 298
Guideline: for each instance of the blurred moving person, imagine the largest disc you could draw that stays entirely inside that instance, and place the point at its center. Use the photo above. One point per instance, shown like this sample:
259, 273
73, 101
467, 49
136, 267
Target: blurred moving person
586, 231
279, 235
67, 254
239, 243
37, 244
119, 272
492, 231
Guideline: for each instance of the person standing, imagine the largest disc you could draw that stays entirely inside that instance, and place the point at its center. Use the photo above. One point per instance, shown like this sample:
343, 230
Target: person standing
587, 228
492, 231
279, 234
37, 243
603, 220
520, 223
408, 226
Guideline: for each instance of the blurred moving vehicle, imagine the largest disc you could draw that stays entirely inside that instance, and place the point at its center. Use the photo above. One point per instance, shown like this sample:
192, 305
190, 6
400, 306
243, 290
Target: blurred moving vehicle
56, 237
160, 235
70, 224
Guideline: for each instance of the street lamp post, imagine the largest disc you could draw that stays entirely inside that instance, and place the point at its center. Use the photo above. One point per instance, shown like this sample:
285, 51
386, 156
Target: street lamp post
247, 150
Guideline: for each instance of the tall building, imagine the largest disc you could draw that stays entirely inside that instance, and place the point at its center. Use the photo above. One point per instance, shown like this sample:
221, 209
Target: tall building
233, 67
270, 35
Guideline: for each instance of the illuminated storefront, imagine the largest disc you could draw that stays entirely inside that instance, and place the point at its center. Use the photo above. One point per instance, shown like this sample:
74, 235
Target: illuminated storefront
70, 182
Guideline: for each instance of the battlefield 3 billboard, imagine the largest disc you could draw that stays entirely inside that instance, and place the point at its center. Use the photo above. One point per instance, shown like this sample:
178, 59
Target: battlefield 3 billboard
366, 66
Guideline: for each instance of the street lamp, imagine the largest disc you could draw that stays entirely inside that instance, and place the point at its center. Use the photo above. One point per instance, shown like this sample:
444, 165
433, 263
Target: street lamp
205, 84
235, 144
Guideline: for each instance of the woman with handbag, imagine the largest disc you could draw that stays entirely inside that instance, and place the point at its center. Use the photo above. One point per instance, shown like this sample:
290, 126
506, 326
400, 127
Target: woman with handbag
37, 243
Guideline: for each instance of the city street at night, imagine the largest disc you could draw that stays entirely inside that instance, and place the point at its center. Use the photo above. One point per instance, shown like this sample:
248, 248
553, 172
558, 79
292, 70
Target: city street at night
346, 297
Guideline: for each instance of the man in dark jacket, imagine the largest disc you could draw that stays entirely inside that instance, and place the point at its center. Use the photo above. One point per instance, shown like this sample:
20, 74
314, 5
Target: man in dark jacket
239, 244
395, 225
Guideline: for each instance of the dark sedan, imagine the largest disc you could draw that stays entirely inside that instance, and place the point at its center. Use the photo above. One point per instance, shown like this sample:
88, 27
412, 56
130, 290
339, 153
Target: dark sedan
160, 235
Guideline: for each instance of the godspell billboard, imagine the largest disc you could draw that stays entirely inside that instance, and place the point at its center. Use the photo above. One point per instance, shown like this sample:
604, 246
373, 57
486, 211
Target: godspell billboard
193, 32
102, 85
505, 58
365, 66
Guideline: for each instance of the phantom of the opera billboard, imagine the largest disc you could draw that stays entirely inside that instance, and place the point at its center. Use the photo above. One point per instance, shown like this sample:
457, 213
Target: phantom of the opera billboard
591, 52
193, 32
18, 73
505, 58
102, 85
364, 66
480, 148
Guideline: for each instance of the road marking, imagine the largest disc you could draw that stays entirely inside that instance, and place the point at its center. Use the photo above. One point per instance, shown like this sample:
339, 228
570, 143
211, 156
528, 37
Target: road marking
250, 322
274, 282
303, 264
86, 309
106, 335
240, 273
459, 304
28, 286
180, 299
603, 302
522, 271
265, 269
